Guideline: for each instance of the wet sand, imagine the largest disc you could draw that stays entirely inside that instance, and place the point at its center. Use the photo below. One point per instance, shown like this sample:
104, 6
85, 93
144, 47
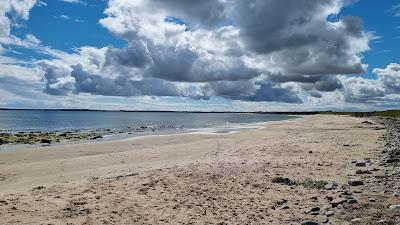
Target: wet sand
274, 175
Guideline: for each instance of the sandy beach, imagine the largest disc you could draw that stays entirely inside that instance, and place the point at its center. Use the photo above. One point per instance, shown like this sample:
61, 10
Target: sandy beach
289, 172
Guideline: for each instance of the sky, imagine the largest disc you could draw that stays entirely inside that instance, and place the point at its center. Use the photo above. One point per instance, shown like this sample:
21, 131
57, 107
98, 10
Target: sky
209, 55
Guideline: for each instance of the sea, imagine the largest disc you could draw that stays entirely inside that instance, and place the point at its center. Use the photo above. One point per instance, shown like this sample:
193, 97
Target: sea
123, 122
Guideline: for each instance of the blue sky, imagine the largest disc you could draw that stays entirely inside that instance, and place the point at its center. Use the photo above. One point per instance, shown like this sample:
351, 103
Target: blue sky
67, 26
379, 18
129, 55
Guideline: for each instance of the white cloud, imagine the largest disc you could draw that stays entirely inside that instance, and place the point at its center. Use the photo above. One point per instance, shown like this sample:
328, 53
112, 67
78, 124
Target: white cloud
184, 49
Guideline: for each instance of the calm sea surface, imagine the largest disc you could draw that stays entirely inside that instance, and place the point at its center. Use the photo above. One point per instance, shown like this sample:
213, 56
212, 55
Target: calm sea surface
41, 120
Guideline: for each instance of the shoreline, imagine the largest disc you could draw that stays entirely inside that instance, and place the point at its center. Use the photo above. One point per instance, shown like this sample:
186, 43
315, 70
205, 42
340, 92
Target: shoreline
46, 139
287, 172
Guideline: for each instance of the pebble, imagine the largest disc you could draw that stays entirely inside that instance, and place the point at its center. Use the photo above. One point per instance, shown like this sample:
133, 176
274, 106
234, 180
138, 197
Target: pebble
381, 221
355, 182
329, 213
284, 207
356, 220
338, 201
313, 210
363, 172
394, 207
360, 163
351, 201
330, 185
309, 222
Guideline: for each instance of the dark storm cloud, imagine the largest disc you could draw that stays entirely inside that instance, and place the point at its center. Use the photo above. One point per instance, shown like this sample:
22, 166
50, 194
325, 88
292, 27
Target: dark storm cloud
135, 54
79, 81
298, 32
322, 83
267, 92
258, 92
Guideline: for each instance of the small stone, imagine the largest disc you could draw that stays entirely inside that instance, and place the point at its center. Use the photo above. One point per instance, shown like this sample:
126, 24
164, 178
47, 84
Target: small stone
313, 210
284, 207
363, 172
356, 220
372, 199
310, 152
309, 222
330, 185
394, 207
351, 201
338, 201
381, 221
360, 163
353, 161
329, 213
355, 182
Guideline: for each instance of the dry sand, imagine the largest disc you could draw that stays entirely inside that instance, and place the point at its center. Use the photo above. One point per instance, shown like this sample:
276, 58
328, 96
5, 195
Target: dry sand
203, 179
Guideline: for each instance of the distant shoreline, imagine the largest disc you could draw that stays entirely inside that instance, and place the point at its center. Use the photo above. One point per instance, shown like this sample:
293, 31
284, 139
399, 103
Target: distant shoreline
385, 113
167, 111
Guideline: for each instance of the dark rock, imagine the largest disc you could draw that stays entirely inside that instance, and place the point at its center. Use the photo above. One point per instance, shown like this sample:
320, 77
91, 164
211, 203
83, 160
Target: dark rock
355, 182
313, 210
351, 201
367, 122
45, 141
363, 172
284, 181
96, 137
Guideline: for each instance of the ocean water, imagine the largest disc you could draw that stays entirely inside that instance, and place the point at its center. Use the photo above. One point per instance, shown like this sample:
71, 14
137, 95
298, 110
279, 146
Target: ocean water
43, 120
